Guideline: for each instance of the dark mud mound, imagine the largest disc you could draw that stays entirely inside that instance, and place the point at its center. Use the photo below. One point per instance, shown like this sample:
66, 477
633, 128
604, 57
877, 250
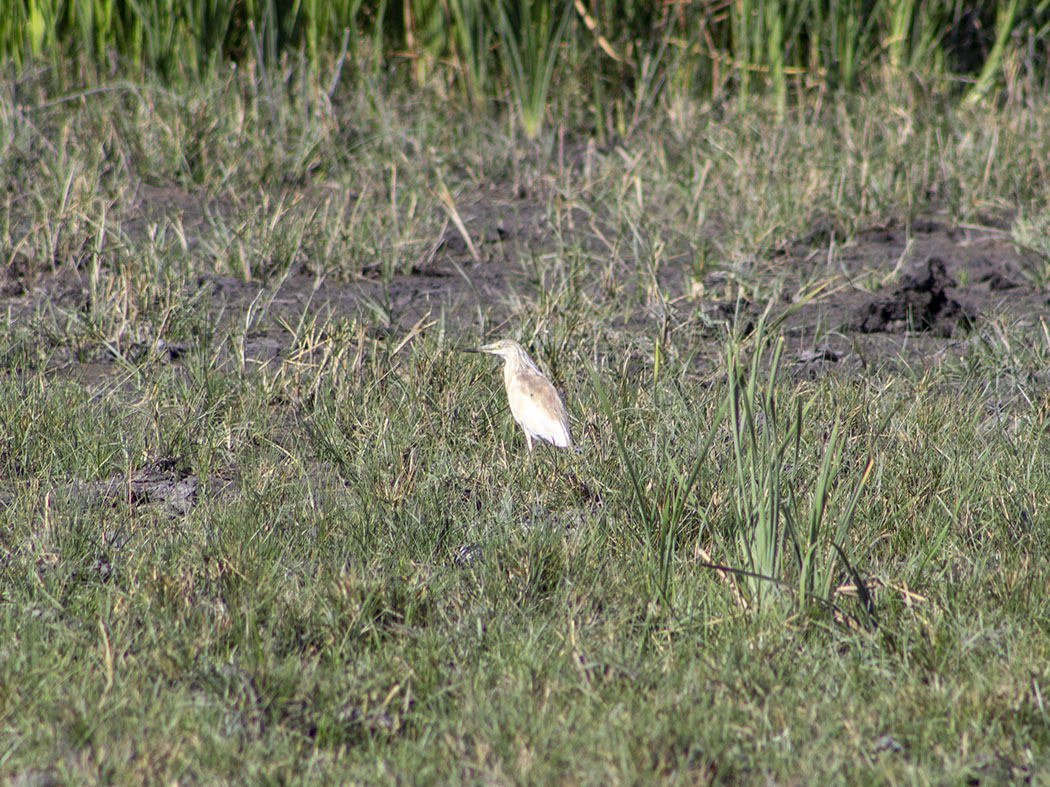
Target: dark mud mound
920, 303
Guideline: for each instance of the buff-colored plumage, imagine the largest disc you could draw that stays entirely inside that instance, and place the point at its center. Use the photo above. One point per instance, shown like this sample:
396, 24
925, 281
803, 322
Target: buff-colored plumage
533, 401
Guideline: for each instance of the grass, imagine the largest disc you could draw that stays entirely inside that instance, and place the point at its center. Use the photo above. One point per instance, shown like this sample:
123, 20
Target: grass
372, 579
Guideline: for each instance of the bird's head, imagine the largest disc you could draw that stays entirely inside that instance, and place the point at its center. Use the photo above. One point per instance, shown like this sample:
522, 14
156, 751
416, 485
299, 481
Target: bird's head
504, 348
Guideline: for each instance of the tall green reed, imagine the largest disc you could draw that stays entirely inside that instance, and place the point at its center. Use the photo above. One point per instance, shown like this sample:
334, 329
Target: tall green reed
530, 33
778, 525
473, 37
784, 528
772, 47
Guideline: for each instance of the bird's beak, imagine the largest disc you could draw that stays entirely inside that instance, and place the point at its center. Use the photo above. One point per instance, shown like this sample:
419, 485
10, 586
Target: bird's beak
490, 349
469, 350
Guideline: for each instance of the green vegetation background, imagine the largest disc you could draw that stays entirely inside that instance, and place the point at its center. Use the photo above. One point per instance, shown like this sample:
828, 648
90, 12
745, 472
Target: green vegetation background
337, 563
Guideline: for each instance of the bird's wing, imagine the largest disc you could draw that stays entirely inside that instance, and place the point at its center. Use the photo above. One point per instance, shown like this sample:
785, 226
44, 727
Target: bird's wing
538, 408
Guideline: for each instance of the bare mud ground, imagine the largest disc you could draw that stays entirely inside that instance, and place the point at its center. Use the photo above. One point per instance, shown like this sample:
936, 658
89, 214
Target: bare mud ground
892, 294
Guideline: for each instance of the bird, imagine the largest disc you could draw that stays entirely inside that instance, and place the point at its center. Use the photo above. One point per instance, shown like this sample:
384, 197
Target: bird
533, 401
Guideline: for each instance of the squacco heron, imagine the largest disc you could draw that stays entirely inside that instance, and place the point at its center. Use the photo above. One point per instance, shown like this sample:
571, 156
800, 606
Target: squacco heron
534, 403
